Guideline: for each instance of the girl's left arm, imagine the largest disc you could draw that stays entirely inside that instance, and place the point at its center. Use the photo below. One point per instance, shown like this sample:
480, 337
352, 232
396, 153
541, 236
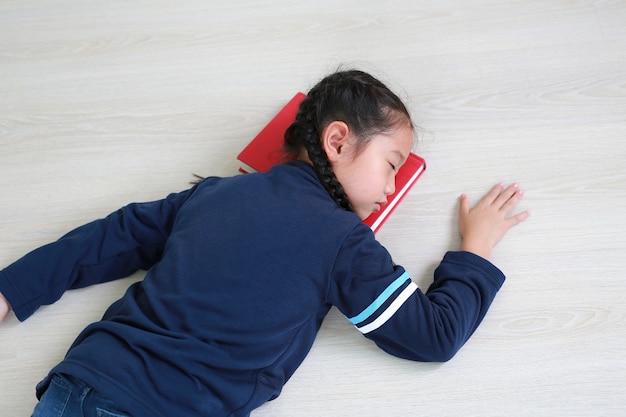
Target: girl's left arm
434, 325
114, 247
388, 308
430, 326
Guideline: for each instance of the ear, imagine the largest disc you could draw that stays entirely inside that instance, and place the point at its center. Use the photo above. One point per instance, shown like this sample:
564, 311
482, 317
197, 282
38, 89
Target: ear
335, 139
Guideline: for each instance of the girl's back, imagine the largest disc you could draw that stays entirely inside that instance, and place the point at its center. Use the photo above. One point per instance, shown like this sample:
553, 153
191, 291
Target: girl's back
235, 301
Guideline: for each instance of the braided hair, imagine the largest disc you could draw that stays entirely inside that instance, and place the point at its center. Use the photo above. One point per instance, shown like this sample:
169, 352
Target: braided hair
354, 97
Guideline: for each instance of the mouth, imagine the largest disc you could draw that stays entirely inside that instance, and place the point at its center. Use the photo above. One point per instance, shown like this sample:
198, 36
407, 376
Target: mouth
379, 205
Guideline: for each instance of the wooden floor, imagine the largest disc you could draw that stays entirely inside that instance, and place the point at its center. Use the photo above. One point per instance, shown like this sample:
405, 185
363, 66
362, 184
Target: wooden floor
107, 102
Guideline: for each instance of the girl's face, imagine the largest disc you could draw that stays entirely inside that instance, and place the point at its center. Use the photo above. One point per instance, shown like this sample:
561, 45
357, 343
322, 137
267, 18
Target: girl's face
368, 176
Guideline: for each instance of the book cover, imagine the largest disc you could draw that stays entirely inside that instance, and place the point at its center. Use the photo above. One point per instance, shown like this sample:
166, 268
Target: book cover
266, 150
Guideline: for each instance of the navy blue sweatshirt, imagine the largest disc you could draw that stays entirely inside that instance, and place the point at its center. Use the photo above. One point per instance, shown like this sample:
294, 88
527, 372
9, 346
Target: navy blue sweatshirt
241, 272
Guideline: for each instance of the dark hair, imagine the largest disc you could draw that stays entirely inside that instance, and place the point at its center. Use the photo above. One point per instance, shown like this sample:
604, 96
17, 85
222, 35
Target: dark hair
354, 97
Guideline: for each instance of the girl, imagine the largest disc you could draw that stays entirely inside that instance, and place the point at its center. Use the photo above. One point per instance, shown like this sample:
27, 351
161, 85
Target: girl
235, 293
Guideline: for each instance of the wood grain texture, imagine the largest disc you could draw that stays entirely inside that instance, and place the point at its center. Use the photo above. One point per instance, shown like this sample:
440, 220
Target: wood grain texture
104, 103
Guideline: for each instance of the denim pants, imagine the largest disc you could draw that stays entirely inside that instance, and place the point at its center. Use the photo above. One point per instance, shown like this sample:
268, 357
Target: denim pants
69, 397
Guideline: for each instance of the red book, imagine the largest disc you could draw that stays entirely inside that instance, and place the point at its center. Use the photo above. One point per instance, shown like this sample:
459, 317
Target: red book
266, 150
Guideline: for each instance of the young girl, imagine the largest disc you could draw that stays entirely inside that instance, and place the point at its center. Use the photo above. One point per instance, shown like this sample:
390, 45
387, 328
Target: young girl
236, 292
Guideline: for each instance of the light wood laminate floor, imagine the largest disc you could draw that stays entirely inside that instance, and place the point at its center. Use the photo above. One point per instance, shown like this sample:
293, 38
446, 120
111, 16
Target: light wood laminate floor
107, 102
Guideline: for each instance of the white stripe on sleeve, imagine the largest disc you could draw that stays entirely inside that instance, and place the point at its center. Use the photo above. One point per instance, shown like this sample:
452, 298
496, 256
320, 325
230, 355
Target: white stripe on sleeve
391, 310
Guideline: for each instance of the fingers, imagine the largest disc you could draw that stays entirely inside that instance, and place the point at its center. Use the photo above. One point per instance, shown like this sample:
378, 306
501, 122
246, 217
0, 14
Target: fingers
518, 218
493, 194
504, 199
508, 200
464, 204
499, 198
485, 224
5, 307
504, 194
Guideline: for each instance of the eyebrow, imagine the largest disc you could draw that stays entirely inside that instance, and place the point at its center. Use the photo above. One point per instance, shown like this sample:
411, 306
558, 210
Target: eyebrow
402, 157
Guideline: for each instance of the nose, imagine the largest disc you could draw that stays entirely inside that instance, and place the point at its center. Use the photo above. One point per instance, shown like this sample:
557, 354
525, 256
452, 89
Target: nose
390, 188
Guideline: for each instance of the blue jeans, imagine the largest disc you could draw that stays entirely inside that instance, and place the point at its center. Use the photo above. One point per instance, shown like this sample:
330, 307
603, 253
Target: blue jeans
70, 397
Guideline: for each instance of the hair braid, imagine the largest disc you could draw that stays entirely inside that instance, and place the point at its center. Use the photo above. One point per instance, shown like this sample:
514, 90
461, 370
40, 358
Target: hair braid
324, 170
305, 129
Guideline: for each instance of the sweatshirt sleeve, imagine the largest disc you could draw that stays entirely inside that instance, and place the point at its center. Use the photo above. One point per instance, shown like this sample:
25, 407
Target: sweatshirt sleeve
383, 303
114, 247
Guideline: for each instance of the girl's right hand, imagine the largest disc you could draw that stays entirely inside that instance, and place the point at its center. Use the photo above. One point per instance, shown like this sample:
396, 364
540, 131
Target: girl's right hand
485, 224
5, 307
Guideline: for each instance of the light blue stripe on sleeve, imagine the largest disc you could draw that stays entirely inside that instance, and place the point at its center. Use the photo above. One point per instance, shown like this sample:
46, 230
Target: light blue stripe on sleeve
380, 300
